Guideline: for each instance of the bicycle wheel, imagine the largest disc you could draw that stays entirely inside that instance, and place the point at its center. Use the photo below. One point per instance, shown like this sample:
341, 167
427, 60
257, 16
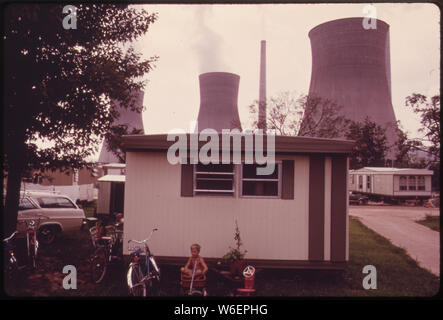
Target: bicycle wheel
136, 285
99, 265
33, 256
10, 274
152, 287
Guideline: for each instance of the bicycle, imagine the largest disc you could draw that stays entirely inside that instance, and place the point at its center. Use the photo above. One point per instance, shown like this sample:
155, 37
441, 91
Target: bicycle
108, 249
141, 280
10, 264
32, 243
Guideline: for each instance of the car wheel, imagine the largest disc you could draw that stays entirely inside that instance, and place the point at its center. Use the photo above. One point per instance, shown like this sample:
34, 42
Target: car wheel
46, 235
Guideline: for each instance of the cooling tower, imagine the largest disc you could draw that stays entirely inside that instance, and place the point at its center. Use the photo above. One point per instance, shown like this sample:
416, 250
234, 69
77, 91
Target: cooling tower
351, 67
218, 101
127, 117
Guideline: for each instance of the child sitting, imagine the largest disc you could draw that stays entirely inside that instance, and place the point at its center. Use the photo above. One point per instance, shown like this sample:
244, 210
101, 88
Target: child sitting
195, 261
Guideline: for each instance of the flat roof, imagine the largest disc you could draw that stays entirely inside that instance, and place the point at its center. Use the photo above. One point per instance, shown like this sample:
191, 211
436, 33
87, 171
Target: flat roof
112, 178
283, 144
114, 165
386, 170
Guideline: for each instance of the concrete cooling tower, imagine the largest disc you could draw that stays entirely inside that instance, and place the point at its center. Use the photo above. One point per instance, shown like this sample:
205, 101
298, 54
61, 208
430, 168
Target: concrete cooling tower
218, 101
127, 117
351, 67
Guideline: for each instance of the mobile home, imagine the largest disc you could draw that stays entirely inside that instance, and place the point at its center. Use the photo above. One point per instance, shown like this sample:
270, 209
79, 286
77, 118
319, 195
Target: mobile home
295, 217
392, 183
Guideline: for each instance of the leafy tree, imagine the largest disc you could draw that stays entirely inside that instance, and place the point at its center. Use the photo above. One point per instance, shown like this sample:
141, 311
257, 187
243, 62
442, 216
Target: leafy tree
114, 139
404, 150
429, 112
371, 144
59, 84
429, 142
302, 115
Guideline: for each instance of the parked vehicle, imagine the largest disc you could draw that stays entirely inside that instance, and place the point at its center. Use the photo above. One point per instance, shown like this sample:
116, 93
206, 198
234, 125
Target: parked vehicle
142, 278
61, 212
358, 199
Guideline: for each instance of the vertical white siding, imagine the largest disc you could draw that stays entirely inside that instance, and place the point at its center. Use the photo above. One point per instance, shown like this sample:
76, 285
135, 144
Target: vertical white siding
384, 184
270, 228
104, 197
428, 183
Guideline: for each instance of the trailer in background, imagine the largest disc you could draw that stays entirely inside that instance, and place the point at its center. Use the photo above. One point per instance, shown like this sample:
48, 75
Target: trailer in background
391, 184
111, 192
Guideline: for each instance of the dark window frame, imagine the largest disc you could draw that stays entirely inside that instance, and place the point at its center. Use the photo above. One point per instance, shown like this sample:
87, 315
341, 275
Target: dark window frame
410, 186
404, 186
214, 192
420, 186
278, 163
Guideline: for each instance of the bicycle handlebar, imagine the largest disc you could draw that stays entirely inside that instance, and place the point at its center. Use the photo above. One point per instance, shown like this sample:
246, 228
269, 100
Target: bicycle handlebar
143, 241
10, 237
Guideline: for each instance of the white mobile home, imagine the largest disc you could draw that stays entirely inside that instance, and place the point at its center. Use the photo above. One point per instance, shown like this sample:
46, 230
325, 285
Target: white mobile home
295, 217
392, 183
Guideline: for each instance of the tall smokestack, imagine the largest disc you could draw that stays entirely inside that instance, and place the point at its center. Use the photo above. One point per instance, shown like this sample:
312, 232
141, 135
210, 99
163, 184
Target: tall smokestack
218, 101
262, 89
351, 67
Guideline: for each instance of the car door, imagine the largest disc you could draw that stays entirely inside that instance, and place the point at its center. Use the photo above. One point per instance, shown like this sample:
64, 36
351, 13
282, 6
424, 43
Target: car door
62, 211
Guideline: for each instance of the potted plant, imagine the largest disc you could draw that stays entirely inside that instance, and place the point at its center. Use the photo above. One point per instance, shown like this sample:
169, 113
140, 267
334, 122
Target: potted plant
235, 256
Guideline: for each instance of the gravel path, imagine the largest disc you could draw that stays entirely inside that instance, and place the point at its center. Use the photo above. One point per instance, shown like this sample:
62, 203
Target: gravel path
399, 225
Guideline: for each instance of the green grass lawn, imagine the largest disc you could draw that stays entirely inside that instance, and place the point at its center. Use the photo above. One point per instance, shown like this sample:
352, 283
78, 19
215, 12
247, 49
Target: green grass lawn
432, 222
397, 274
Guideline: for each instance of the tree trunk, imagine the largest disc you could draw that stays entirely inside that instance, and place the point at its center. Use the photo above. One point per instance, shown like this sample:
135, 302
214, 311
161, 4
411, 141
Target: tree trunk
15, 173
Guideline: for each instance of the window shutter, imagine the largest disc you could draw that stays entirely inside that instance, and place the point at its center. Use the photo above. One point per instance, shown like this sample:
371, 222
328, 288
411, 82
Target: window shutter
287, 191
187, 180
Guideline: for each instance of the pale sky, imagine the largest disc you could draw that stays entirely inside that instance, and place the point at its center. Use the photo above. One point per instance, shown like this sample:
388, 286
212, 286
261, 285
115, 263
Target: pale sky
193, 39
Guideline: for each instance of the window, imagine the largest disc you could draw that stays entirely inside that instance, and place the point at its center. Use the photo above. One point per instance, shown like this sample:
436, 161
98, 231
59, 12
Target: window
421, 183
403, 183
352, 179
214, 179
25, 204
411, 183
260, 185
368, 182
65, 203
360, 182
55, 202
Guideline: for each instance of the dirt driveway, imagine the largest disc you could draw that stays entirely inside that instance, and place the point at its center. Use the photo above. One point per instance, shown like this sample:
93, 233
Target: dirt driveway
397, 223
